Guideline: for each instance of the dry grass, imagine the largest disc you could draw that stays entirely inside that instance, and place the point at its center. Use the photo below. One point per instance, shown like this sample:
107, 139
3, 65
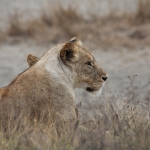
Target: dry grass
107, 32
68, 15
17, 27
100, 126
67, 18
143, 11
108, 128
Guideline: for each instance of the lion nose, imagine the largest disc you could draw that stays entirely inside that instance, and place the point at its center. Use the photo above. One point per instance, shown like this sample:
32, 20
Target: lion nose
104, 78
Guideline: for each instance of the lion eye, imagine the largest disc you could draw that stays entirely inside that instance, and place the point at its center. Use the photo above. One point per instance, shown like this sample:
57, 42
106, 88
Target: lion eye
89, 63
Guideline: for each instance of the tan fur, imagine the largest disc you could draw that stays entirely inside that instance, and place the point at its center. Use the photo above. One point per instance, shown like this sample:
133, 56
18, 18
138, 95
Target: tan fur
31, 60
45, 91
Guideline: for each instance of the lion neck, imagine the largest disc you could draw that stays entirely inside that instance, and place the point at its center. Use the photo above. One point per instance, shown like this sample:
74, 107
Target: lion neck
56, 70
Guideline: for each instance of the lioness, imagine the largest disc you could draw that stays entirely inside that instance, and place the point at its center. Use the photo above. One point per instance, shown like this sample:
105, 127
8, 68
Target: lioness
45, 91
31, 60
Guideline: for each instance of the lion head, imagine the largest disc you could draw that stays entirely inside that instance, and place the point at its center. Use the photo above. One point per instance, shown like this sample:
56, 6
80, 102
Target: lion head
89, 75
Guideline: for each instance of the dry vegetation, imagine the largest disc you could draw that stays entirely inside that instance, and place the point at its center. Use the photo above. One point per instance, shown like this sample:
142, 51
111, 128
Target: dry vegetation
131, 31
143, 12
100, 126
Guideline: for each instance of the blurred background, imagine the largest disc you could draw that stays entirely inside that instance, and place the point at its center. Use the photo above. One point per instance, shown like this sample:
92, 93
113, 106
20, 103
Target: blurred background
117, 32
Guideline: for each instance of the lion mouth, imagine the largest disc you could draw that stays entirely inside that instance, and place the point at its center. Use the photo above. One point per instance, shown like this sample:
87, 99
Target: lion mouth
90, 89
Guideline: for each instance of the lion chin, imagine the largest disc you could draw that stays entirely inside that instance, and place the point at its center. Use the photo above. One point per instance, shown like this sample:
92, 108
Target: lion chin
95, 92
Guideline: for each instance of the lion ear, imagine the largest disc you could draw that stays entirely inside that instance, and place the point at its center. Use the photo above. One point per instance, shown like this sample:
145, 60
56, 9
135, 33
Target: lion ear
76, 41
69, 53
31, 60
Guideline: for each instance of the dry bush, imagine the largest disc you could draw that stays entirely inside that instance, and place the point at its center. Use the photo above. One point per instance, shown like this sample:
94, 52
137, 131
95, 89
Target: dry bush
37, 29
17, 27
107, 32
67, 18
47, 27
47, 18
32, 29
67, 15
143, 11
